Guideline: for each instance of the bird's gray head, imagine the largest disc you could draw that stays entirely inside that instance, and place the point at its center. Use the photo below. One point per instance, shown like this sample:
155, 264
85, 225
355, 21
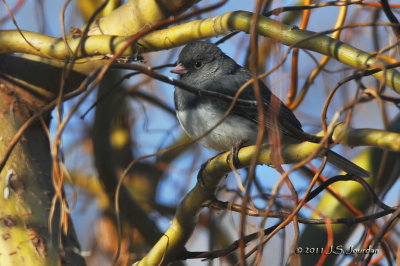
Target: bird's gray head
201, 61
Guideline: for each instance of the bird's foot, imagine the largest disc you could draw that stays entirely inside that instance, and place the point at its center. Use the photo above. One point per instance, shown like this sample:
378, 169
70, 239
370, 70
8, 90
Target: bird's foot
202, 167
200, 179
235, 154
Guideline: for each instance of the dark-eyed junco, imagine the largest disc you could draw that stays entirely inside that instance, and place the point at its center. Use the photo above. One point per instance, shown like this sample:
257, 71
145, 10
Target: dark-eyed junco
203, 65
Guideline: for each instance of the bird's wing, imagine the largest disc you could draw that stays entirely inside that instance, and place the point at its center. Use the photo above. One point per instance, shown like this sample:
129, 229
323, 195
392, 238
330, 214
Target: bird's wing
230, 84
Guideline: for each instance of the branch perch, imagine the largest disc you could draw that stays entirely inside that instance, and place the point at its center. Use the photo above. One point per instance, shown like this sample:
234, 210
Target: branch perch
11, 41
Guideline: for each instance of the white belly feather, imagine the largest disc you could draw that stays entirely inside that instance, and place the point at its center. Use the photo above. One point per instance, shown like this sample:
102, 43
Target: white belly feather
232, 130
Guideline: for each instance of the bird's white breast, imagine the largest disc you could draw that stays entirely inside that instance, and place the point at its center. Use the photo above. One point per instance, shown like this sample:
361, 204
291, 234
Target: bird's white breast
196, 121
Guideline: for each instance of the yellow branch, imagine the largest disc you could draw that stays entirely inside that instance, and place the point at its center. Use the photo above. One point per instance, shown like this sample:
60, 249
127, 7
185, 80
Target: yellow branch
11, 41
134, 15
88, 7
367, 137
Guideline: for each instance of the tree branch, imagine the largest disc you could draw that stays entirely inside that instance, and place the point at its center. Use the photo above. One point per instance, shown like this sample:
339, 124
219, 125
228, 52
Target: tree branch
11, 41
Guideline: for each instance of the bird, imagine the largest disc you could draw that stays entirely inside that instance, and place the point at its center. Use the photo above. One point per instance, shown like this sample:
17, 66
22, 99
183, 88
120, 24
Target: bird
203, 65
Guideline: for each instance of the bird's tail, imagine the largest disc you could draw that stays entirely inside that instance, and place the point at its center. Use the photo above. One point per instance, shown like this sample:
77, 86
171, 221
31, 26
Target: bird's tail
345, 165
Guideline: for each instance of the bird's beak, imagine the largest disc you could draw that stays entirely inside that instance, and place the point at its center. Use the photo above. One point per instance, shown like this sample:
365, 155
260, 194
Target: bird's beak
179, 69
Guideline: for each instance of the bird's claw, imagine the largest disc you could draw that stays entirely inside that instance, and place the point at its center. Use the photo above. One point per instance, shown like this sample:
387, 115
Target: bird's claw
235, 154
200, 179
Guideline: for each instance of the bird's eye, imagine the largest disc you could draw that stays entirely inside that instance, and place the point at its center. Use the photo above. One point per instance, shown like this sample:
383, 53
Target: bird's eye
198, 64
